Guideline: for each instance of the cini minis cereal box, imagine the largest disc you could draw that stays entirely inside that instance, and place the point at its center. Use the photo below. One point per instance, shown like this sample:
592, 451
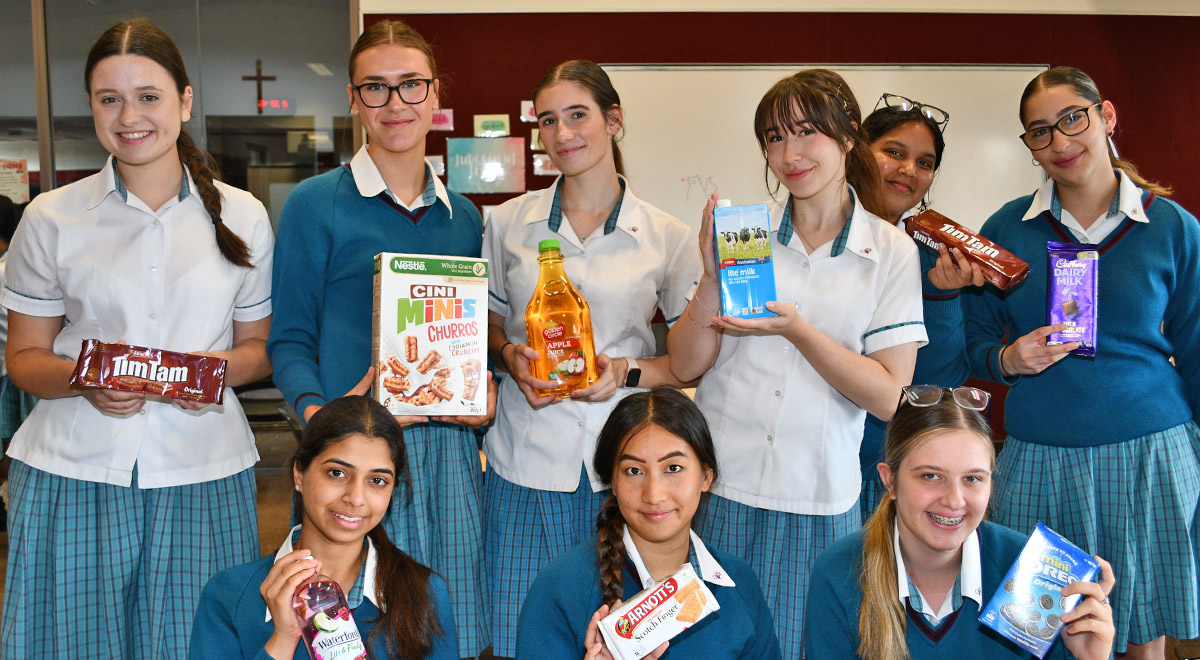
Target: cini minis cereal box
1073, 276
743, 246
1028, 607
657, 615
430, 333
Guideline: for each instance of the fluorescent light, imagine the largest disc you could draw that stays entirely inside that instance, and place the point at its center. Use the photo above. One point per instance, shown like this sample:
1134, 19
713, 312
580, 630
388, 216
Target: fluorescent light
319, 69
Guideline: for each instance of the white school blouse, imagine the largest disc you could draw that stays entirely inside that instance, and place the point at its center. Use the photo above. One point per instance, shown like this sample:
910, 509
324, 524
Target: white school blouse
97, 255
650, 260
786, 440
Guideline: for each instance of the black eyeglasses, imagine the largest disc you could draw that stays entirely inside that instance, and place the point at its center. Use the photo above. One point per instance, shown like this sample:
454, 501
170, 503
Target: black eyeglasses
376, 94
923, 396
1072, 123
902, 104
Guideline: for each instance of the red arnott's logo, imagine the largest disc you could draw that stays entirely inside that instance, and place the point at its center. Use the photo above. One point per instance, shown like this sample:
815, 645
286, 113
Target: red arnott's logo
633, 617
552, 330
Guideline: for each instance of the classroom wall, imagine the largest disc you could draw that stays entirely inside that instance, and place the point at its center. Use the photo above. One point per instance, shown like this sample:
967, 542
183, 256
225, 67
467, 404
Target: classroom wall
1142, 63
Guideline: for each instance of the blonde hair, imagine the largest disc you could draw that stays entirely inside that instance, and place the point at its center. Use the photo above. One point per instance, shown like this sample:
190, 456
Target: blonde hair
882, 624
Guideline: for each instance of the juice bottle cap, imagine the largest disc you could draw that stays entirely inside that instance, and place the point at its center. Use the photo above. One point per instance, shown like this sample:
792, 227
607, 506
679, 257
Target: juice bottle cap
548, 244
724, 203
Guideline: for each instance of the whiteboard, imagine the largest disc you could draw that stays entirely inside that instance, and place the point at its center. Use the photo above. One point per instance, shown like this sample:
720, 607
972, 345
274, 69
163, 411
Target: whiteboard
689, 131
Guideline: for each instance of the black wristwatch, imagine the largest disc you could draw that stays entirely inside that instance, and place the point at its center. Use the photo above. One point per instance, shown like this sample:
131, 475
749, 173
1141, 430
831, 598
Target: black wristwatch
634, 375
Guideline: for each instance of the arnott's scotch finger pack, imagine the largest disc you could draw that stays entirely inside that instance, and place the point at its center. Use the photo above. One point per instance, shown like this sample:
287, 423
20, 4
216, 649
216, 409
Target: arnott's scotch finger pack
657, 614
430, 334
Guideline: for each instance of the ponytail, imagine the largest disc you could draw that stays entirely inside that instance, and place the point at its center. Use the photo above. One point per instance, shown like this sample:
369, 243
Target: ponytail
408, 621
200, 165
882, 627
610, 550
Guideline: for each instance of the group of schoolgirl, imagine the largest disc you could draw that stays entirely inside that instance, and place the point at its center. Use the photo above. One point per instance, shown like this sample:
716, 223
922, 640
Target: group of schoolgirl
120, 498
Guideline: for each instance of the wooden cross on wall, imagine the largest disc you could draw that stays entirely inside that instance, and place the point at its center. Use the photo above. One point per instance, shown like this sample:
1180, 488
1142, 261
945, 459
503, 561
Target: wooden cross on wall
258, 77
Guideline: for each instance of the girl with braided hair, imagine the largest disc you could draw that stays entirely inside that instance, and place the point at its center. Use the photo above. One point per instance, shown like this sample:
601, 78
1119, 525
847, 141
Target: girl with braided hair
127, 503
657, 456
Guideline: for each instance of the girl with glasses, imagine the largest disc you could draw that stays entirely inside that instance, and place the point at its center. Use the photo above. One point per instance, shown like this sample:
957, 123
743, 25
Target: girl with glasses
1103, 449
911, 584
906, 139
657, 456
787, 395
628, 259
124, 503
387, 199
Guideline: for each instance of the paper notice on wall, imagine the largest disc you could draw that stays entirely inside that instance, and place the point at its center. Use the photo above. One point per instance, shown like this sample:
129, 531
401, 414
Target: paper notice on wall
14, 179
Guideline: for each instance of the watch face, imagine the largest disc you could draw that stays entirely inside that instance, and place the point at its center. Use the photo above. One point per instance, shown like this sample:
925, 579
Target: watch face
633, 377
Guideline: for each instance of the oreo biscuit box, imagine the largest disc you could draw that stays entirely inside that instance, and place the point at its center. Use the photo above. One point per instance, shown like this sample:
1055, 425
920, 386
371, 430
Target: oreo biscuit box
430, 334
743, 247
1028, 606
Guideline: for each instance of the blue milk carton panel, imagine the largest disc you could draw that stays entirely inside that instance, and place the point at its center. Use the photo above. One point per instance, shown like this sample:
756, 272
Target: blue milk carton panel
744, 259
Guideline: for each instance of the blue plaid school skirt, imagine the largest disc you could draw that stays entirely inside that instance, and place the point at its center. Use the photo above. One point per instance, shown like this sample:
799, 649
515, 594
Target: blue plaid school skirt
15, 406
103, 571
1135, 503
526, 529
872, 494
781, 548
440, 523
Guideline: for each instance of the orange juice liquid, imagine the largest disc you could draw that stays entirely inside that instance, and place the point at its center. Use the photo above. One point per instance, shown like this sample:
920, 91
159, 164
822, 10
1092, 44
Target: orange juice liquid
558, 325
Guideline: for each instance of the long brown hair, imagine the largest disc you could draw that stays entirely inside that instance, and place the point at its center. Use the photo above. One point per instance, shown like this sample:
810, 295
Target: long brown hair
1083, 85
590, 76
881, 619
664, 407
408, 618
822, 98
141, 37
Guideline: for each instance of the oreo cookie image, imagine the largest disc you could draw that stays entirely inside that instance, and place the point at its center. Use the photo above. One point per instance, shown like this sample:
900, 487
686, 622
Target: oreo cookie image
1046, 601
1047, 633
1033, 615
1010, 585
1053, 621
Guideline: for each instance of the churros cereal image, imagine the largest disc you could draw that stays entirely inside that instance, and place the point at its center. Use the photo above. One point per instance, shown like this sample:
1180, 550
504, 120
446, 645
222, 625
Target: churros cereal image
430, 334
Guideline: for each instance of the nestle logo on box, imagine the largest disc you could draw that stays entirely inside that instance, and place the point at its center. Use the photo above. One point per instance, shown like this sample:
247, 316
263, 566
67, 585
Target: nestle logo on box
401, 265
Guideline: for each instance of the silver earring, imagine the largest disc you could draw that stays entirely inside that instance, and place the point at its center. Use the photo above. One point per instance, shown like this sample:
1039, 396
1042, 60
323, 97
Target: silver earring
297, 488
1034, 161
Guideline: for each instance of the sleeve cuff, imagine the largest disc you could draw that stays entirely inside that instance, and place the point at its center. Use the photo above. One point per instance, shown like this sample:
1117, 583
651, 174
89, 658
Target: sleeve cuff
24, 304
993, 366
895, 335
308, 399
253, 312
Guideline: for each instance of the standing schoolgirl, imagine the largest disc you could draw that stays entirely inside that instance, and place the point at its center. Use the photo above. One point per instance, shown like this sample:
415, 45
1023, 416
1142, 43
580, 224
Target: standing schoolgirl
785, 395
350, 460
628, 259
1102, 449
117, 519
906, 139
386, 200
911, 584
657, 455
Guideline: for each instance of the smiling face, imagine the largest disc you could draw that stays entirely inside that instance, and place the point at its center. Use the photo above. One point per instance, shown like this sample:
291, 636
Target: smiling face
907, 159
347, 488
1074, 159
806, 161
396, 127
576, 133
941, 491
657, 484
138, 111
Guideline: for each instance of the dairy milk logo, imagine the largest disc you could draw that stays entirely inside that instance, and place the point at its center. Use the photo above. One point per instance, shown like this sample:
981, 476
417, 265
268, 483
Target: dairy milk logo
633, 617
431, 302
151, 370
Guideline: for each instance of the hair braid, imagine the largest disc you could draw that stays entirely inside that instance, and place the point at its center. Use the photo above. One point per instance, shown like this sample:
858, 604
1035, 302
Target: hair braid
200, 165
610, 550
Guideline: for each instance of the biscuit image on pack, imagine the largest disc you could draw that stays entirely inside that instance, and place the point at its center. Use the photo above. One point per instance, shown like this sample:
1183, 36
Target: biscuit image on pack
430, 334
657, 615
1028, 606
1072, 285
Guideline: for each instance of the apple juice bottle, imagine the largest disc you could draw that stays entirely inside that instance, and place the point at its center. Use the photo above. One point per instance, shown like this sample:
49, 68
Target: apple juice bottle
558, 325
326, 623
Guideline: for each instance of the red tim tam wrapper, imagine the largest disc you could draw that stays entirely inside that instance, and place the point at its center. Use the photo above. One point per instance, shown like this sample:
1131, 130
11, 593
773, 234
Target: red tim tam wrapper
150, 370
1000, 267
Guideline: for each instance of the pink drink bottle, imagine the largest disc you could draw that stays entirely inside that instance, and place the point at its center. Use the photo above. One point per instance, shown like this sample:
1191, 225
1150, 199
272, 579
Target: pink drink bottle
326, 623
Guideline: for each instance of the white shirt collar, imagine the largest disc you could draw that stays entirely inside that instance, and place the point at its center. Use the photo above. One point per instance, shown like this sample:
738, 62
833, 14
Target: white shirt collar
368, 589
628, 218
1129, 199
709, 570
370, 182
106, 183
859, 239
970, 574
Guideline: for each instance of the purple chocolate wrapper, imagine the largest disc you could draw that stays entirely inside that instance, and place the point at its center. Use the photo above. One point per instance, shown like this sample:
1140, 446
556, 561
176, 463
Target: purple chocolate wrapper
1072, 276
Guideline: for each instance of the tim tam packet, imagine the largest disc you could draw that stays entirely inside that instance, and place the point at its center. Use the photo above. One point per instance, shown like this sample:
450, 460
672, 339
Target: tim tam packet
1073, 274
151, 370
1028, 607
657, 615
430, 334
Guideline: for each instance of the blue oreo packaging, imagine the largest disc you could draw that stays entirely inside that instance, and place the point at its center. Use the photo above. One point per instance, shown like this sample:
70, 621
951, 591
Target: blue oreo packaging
1073, 276
1028, 606
744, 260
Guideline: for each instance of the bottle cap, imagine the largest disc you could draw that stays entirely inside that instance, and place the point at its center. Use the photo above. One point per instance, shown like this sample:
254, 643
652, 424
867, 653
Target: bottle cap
548, 244
724, 203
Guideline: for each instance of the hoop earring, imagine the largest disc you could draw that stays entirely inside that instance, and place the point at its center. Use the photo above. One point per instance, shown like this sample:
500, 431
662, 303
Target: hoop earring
1034, 161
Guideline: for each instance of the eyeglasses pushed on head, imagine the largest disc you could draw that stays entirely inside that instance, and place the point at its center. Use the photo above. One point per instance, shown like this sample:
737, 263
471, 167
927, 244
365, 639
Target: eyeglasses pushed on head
903, 104
923, 396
